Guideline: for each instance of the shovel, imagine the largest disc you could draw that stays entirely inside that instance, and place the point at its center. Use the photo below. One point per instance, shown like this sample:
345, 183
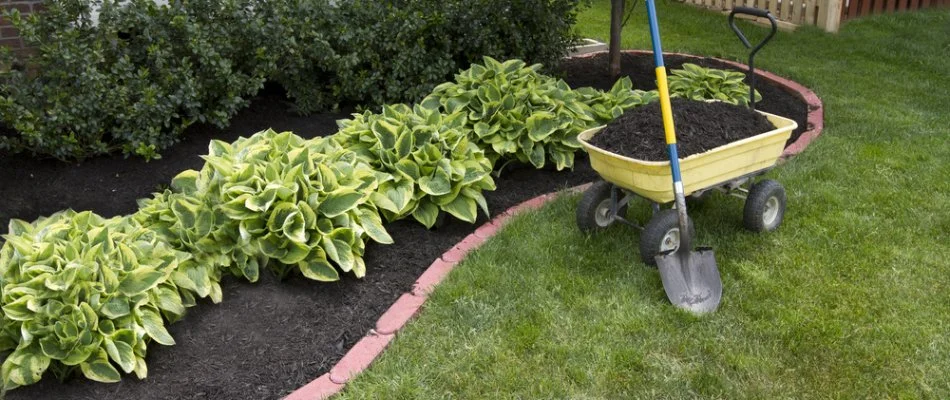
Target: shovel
690, 278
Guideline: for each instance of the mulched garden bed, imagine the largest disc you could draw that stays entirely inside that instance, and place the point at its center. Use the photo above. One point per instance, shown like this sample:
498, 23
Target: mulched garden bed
700, 126
269, 338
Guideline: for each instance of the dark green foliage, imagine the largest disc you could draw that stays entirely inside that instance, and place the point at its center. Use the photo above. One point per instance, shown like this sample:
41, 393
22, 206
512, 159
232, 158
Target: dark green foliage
131, 82
134, 80
386, 51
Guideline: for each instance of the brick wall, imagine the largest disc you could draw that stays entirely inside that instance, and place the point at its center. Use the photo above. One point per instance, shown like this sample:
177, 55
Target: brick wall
9, 37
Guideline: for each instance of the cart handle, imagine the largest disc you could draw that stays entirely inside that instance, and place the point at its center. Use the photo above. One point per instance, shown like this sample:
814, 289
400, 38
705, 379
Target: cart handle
732, 23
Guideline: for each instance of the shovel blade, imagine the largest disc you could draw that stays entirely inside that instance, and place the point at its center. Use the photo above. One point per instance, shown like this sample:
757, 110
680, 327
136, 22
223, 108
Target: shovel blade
691, 279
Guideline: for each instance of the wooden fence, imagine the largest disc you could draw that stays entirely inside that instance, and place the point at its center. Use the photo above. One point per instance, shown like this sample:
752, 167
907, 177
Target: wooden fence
826, 14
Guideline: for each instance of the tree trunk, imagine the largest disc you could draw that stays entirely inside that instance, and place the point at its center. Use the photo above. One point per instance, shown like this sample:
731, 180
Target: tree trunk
616, 21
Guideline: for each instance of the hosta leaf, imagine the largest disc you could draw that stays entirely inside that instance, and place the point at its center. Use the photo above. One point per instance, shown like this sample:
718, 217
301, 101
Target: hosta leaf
53, 348
404, 144
463, 208
483, 129
340, 252
99, 369
115, 307
155, 328
24, 366
478, 197
236, 208
270, 246
386, 132
261, 202
140, 280
426, 213
169, 300
296, 252
186, 182
540, 125
409, 169
279, 216
141, 370
294, 228
21, 245
17, 310
18, 227
383, 202
249, 268
339, 202
436, 185
121, 353
373, 227
317, 267
536, 156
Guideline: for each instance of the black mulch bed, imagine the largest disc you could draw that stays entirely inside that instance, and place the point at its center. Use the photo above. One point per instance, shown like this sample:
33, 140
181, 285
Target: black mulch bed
591, 71
265, 339
700, 126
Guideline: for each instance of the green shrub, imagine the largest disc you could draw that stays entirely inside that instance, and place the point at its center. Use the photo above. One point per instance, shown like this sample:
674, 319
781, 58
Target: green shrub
134, 81
426, 162
302, 36
131, 82
698, 83
514, 111
80, 290
376, 52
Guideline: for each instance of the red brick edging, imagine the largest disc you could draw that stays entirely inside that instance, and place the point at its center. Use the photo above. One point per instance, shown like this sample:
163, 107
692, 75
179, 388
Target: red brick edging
367, 349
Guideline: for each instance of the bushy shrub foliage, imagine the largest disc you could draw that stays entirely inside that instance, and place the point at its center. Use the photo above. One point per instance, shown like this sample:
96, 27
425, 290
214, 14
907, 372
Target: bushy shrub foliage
136, 78
130, 82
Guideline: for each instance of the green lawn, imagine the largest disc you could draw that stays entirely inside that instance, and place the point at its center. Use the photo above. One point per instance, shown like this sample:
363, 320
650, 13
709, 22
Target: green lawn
850, 298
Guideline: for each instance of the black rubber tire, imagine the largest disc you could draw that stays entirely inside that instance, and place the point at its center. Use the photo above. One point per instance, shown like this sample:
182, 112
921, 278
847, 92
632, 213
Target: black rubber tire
596, 197
651, 239
765, 206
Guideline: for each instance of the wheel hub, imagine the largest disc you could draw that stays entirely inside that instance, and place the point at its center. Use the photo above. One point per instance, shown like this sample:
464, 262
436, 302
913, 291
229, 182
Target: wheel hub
671, 240
602, 215
771, 211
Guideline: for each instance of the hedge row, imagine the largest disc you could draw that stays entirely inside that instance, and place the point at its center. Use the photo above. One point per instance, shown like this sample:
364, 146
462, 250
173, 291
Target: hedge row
134, 79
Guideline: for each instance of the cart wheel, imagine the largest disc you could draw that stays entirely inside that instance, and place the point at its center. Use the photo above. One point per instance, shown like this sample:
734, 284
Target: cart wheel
662, 234
765, 206
593, 212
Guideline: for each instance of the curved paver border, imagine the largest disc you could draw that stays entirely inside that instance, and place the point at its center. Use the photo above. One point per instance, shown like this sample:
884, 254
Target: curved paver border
367, 349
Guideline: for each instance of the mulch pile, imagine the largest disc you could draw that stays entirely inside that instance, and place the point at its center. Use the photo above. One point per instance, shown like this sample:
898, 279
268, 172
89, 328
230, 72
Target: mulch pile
700, 127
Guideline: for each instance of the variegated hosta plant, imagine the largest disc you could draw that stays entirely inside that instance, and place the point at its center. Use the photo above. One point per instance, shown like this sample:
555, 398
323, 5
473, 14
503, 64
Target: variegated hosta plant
609, 105
515, 112
285, 202
425, 160
700, 83
81, 290
190, 223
